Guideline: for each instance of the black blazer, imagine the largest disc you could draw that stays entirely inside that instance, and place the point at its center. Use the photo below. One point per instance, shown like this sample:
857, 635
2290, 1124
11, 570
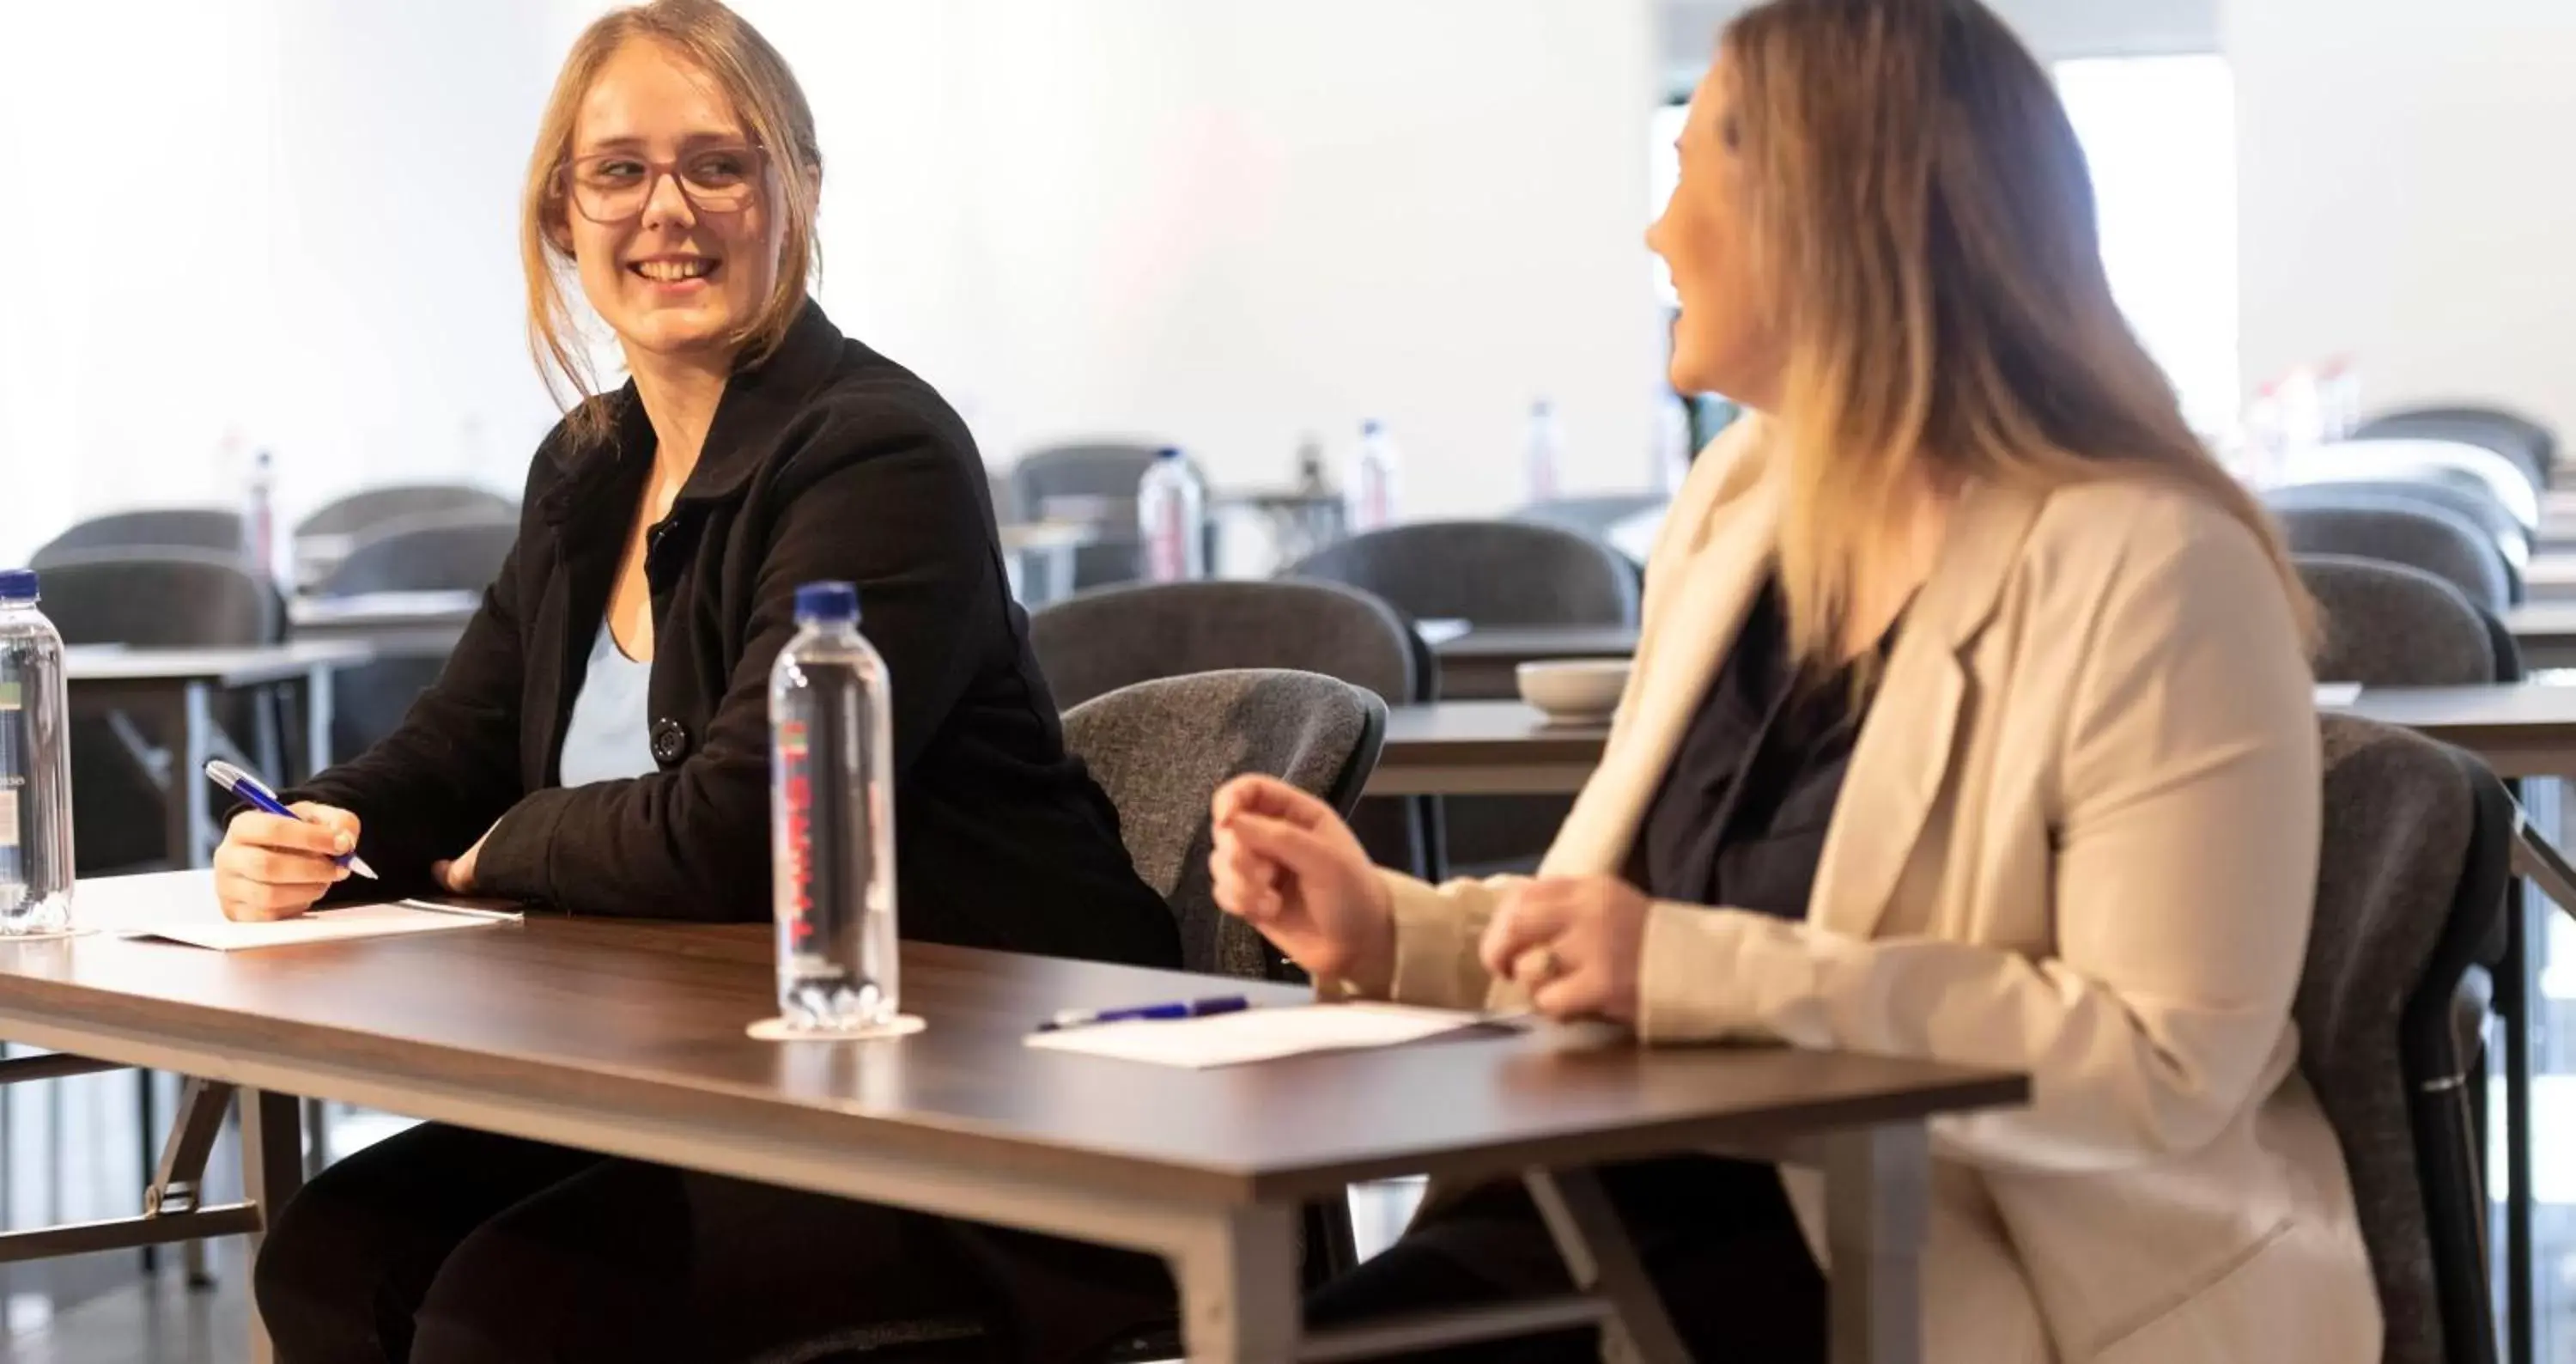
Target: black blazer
825, 461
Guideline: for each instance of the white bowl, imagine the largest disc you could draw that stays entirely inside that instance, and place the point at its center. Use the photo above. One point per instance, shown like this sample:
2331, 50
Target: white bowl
1572, 689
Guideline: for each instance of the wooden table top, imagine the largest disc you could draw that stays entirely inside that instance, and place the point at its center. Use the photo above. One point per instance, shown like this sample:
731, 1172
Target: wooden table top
223, 667
644, 1023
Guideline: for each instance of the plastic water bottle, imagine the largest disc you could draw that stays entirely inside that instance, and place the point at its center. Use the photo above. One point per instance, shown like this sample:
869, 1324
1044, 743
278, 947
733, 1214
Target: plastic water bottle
259, 514
1545, 452
831, 818
1171, 511
1376, 474
35, 766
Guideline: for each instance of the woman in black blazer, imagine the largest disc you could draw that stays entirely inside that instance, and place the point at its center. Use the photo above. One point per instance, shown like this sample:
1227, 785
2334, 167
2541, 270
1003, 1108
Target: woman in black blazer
599, 741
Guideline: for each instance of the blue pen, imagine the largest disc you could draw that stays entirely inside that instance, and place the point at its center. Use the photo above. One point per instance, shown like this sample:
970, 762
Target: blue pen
255, 791
1187, 1008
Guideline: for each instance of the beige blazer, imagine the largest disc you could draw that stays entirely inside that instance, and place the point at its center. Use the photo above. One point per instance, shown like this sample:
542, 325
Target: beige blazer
2078, 837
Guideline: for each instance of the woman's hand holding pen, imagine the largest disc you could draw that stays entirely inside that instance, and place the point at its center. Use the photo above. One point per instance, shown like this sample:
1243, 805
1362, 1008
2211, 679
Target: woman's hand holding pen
272, 867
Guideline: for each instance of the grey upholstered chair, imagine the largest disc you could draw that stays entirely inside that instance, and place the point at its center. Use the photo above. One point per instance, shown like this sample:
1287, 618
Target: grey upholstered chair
1098, 641
361, 512
1095, 642
2391, 626
1485, 572
1161, 749
204, 528
2518, 438
2411, 883
2436, 541
1488, 573
2387, 625
168, 599
451, 551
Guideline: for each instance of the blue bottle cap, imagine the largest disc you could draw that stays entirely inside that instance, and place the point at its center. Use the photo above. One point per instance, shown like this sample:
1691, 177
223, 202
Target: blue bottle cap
18, 584
1168, 452
835, 603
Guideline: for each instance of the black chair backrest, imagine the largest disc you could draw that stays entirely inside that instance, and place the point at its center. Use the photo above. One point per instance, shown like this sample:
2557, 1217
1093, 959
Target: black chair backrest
360, 512
2410, 886
441, 551
205, 528
1096, 642
2387, 625
1487, 572
2419, 536
1161, 749
163, 598
2475, 504
2516, 437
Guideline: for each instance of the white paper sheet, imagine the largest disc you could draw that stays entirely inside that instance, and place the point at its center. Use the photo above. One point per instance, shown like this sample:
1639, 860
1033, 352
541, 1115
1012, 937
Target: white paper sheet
329, 925
1257, 1034
182, 909
2337, 695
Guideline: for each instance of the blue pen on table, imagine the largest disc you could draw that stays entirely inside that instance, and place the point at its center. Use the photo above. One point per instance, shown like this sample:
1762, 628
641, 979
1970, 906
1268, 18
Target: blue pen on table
1187, 1008
255, 791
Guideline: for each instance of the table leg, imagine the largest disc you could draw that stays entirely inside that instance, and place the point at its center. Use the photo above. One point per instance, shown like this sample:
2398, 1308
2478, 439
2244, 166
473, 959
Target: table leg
318, 703
1603, 1261
1877, 1186
272, 1151
1238, 1280
196, 744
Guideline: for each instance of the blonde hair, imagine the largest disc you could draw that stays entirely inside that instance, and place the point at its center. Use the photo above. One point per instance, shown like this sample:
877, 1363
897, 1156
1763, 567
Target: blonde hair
1922, 207
772, 107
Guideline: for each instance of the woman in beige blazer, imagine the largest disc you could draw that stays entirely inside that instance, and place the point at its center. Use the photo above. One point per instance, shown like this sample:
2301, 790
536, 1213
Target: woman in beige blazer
2077, 830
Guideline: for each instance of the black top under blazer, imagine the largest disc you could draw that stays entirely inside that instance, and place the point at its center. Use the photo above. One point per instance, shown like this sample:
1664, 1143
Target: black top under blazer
824, 461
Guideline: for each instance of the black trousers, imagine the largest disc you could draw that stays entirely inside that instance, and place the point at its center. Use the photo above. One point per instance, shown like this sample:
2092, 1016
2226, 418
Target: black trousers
447, 1246
1716, 1236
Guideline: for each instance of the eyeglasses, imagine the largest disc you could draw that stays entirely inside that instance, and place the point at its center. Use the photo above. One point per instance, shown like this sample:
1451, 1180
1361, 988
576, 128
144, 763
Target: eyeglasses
614, 187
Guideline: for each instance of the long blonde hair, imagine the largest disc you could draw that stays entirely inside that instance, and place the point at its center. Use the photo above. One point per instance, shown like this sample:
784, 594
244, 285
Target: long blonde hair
1922, 207
772, 106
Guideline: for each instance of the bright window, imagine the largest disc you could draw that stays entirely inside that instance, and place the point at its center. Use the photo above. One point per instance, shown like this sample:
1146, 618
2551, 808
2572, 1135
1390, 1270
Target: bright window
2161, 135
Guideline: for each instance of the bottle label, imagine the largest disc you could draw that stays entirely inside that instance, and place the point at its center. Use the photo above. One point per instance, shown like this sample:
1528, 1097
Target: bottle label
796, 791
12, 695
8, 818
1170, 548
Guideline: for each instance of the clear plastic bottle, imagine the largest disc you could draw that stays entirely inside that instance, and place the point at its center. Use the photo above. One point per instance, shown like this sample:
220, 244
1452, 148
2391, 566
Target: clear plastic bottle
1544, 455
831, 816
1377, 473
1171, 512
35, 766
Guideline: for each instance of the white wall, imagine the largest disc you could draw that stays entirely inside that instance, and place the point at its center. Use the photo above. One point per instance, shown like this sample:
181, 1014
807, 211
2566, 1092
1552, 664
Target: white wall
287, 220
1229, 224
2404, 194
1222, 224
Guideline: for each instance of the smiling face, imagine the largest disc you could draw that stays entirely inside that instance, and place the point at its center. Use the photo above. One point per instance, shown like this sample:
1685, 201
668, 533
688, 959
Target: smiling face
671, 212
1725, 340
